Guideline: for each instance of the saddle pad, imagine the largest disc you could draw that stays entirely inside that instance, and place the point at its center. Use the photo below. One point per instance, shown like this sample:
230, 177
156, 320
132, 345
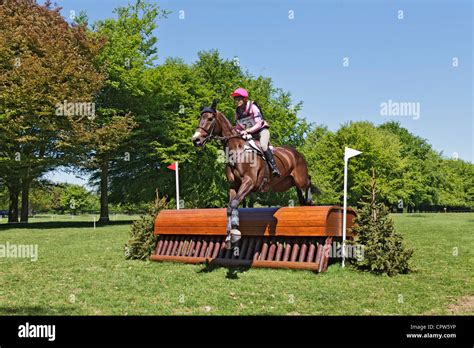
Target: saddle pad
255, 144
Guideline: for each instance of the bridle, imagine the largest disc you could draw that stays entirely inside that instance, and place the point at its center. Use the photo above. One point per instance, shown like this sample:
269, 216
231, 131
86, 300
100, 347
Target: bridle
210, 131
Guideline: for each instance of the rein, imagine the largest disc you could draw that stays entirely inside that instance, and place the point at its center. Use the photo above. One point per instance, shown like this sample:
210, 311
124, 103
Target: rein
210, 132
226, 139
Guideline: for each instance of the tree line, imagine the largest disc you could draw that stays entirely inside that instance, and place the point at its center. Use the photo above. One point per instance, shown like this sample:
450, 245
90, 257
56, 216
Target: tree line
47, 197
91, 98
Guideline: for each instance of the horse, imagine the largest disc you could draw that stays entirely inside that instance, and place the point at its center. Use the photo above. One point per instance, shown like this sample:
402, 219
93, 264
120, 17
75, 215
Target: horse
247, 173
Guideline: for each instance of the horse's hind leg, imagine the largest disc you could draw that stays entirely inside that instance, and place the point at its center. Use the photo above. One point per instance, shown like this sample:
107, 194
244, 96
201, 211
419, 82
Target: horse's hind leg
300, 196
303, 184
309, 199
304, 201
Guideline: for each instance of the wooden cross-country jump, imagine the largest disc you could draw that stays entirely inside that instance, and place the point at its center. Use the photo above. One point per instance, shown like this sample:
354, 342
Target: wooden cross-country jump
287, 237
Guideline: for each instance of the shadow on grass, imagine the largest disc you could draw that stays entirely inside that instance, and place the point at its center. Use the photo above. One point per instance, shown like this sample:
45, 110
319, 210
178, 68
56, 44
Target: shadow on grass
232, 272
62, 224
34, 310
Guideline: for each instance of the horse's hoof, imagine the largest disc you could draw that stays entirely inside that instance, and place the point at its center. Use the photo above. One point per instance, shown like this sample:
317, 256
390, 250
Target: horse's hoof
235, 236
232, 237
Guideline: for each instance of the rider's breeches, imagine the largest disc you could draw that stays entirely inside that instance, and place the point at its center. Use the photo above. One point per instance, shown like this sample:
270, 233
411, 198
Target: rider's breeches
264, 138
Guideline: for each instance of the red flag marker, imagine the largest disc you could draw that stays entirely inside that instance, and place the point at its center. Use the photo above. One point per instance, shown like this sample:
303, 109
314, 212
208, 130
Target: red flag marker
174, 167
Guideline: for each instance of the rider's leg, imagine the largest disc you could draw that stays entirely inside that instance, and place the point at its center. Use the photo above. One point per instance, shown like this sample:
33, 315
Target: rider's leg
264, 139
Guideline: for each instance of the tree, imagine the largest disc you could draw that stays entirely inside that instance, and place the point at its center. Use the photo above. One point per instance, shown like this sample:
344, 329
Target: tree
383, 248
421, 174
325, 153
142, 238
428, 179
457, 190
75, 198
129, 51
45, 63
3, 196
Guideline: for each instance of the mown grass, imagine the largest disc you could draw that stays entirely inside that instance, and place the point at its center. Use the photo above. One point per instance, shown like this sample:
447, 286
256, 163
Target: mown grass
82, 271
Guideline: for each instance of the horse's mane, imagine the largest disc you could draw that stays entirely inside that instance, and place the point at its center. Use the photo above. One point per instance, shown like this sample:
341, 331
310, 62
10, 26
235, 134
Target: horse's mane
225, 123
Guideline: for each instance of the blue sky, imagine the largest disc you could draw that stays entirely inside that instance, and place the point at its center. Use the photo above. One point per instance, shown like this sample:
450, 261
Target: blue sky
402, 60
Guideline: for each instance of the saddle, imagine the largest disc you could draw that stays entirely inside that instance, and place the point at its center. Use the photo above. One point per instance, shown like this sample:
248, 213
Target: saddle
252, 144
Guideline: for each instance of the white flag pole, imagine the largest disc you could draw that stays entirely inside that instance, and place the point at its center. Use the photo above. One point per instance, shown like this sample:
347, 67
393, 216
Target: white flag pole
348, 153
344, 212
177, 187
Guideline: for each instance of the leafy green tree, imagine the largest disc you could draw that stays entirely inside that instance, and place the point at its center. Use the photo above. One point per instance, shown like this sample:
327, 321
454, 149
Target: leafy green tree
47, 196
39, 48
457, 188
428, 179
129, 51
76, 198
324, 151
421, 168
3, 197
41, 196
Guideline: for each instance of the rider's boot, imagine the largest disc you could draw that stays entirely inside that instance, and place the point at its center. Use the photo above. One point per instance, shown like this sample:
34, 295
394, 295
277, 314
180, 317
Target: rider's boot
271, 160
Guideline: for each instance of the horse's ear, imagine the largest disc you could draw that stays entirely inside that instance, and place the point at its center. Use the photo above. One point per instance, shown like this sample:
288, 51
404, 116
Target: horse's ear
214, 104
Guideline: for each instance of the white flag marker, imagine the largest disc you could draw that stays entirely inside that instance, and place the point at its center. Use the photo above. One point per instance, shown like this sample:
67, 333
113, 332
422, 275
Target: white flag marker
348, 153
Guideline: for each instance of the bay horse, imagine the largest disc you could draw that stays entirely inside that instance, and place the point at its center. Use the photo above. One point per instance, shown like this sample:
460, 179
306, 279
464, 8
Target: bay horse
247, 173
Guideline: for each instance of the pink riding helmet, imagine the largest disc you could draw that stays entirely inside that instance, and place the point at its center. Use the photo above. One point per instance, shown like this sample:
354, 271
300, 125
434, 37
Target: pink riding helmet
240, 92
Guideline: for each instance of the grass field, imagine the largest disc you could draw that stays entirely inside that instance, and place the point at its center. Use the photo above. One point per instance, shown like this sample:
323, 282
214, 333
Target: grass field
82, 271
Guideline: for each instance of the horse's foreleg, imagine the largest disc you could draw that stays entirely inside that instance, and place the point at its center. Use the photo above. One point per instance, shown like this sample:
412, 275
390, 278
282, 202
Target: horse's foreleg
233, 212
244, 189
232, 193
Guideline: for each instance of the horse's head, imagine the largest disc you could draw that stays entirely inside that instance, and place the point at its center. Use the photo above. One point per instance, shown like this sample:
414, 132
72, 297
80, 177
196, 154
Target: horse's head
207, 125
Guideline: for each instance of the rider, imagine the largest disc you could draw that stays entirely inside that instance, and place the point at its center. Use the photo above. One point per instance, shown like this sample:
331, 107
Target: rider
250, 121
